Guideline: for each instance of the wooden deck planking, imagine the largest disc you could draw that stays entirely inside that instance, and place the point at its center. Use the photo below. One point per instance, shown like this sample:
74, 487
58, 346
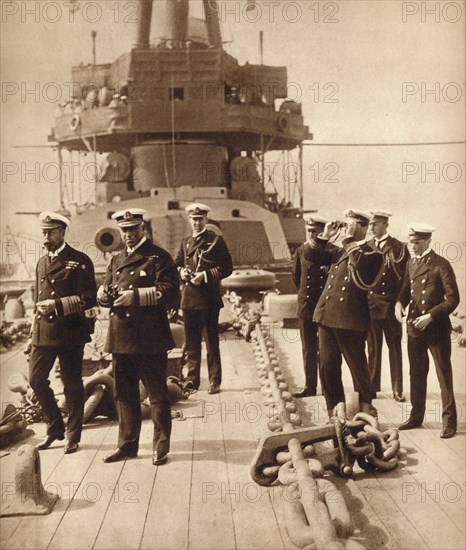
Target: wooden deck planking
123, 524
368, 514
186, 504
245, 365
66, 474
85, 512
167, 518
424, 484
210, 523
397, 531
253, 514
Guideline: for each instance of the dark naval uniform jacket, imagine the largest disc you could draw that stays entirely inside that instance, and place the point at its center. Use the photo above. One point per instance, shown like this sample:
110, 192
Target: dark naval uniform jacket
429, 286
142, 327
310, 271
383, 295
69, 280
343, 304
206, 252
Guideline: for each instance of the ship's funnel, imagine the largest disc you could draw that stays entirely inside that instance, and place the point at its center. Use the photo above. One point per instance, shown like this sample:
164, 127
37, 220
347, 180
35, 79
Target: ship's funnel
177, 12
144, 23
212, 24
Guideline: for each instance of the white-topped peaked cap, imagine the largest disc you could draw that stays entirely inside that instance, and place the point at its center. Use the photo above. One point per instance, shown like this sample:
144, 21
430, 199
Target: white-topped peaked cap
197, 209
358, 215
380, 214
422, 230
314, 221
50, 220
129, 217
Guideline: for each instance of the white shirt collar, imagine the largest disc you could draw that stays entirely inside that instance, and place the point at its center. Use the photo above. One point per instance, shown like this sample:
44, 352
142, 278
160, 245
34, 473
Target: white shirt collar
200, 233
129, 250
381, 240
55, 253
424, 253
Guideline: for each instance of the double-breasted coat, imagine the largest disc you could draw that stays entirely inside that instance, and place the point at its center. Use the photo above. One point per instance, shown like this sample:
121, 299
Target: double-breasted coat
69, 280
342, 314
206, 253
309, 276
429, 287
382, 298
143, 327
139, 337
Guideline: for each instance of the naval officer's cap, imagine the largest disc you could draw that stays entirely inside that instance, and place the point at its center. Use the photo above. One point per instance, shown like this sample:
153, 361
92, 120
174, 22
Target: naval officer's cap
51, 220
315, 222
197, 210
358, 215
380, 215
129, 217
420, 230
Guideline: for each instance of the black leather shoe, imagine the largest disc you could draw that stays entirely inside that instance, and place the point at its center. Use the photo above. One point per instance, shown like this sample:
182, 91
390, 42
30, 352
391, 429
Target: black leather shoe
213, 389
48, 440
446, 433
71, 447
410, 424
399, 397
305, 392
159, 458
119, 455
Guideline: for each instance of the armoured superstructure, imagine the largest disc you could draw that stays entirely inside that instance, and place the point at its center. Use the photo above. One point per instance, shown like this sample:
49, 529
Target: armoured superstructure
178, 119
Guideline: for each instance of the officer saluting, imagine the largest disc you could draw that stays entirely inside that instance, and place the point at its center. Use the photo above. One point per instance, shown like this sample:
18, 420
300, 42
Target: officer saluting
430, 292
140, 285
65, 287
382, 297
309, 276
342, 312
203, 261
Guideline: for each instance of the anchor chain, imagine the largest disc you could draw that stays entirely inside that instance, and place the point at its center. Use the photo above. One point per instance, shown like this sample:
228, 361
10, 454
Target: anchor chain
316, 515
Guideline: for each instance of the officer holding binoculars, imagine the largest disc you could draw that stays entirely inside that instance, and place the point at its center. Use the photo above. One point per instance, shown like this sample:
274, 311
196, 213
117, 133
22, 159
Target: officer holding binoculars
141, 284
203, 261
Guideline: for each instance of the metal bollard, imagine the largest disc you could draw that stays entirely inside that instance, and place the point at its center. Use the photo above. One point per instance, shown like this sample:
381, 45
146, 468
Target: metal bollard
30, 498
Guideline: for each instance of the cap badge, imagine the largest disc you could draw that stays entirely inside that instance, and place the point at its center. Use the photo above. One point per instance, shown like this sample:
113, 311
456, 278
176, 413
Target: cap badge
128, 216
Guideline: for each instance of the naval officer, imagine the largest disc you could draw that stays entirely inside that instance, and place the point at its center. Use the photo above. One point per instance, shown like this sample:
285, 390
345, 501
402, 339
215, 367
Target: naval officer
140, 285
382, 297
342, 311
430, 293
309, 276
203, 261
64, 288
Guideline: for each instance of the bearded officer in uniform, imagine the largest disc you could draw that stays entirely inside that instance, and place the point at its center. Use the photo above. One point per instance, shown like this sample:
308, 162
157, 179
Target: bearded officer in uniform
430, 293
342, 311
141, 284
64, 288
203, 261
309, 276
382, 298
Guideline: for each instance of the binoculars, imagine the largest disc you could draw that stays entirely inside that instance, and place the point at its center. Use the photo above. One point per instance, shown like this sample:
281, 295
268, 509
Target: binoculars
112, 294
